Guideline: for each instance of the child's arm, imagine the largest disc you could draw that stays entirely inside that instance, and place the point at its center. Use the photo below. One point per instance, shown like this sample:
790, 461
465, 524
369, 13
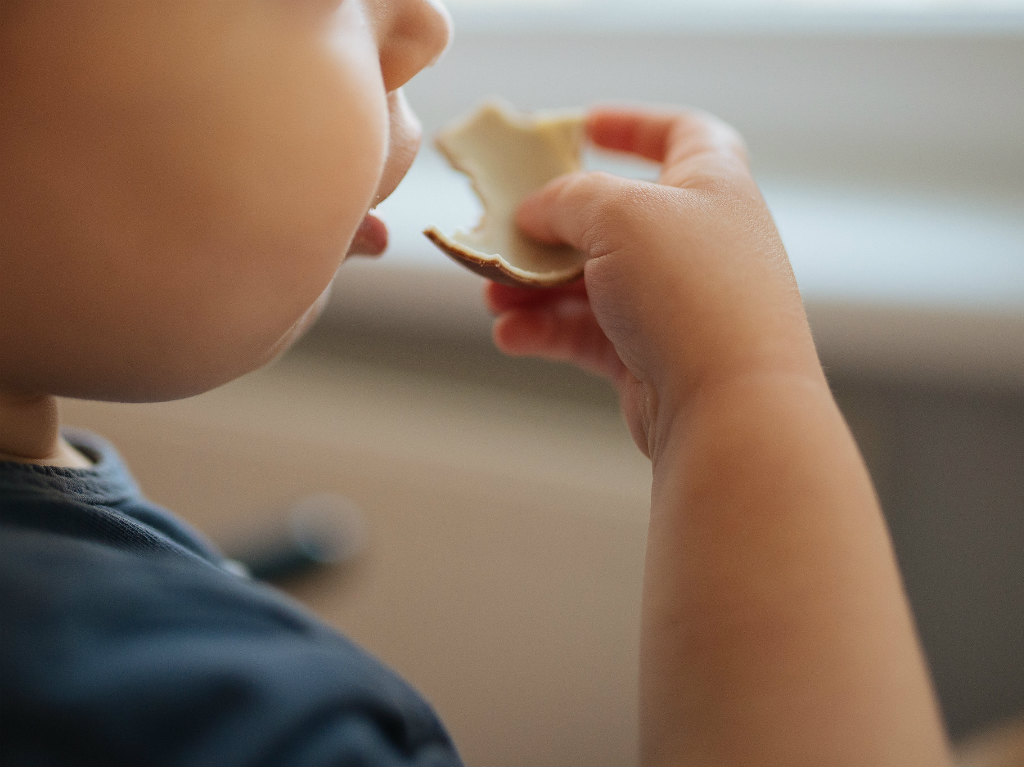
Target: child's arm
775, 628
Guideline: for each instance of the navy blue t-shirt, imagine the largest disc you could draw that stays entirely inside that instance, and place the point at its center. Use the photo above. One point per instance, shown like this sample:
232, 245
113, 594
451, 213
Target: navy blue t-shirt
124, 639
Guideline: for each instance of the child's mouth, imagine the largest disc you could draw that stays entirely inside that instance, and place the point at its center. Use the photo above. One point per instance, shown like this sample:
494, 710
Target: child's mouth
371, 238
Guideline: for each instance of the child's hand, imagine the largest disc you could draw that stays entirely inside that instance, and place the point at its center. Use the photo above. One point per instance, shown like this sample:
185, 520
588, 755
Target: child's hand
774, 625
688, 284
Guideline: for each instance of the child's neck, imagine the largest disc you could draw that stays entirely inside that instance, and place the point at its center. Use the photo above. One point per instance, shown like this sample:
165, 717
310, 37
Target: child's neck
30, 432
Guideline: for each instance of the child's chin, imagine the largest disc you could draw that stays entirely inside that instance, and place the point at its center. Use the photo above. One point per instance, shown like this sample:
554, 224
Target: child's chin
299, 328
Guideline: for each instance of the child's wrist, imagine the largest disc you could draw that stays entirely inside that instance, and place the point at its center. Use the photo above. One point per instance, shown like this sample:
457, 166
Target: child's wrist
751, 388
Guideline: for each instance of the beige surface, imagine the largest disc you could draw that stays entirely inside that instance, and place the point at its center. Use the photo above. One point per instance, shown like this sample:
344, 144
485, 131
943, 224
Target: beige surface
1000, 746
503, 573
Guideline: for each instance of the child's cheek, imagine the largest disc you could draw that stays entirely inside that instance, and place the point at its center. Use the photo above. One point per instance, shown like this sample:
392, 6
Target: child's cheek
191, 175
294, 173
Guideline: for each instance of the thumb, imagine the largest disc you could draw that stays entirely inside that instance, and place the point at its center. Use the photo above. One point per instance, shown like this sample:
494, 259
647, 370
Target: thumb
630, 232
591, 211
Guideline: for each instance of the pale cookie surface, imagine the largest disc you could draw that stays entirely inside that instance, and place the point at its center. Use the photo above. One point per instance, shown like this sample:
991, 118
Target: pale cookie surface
507, 155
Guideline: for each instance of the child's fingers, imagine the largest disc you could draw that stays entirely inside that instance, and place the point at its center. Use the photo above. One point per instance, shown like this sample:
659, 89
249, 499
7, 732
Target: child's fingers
579, 209
698, 152
672, 138
564, 331
588, 210
501, 298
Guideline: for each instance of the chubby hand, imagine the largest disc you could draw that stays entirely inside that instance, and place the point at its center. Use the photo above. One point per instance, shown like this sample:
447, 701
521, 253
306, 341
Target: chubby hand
687, 285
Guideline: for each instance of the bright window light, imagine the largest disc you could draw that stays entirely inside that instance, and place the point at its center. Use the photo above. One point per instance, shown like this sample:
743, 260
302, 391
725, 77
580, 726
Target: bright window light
880, 6
1004, 16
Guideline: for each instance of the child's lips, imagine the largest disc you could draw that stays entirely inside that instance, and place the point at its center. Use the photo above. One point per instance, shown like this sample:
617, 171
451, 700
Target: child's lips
371, 238
404, 136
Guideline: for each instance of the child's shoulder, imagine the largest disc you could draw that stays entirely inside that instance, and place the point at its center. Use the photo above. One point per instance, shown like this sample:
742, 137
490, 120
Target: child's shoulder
123, 625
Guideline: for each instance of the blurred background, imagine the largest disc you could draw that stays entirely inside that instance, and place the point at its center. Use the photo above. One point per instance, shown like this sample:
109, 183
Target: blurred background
502, 504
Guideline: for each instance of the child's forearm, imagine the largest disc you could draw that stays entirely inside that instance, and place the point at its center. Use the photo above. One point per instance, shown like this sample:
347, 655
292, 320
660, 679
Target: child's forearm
775, 626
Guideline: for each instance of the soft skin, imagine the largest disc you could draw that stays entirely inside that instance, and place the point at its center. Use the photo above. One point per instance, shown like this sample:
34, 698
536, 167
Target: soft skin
775, 629
182, 180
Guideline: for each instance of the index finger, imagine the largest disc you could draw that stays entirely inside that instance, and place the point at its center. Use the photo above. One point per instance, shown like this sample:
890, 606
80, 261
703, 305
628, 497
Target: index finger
673, 138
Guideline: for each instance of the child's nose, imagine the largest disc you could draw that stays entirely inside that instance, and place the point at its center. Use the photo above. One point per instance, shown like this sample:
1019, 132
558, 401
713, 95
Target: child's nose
412, 34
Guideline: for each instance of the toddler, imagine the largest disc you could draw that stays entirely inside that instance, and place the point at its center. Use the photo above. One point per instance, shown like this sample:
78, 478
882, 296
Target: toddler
182, 179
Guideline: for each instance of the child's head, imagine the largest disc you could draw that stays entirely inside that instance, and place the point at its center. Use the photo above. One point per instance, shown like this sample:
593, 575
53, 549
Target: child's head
182, 178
